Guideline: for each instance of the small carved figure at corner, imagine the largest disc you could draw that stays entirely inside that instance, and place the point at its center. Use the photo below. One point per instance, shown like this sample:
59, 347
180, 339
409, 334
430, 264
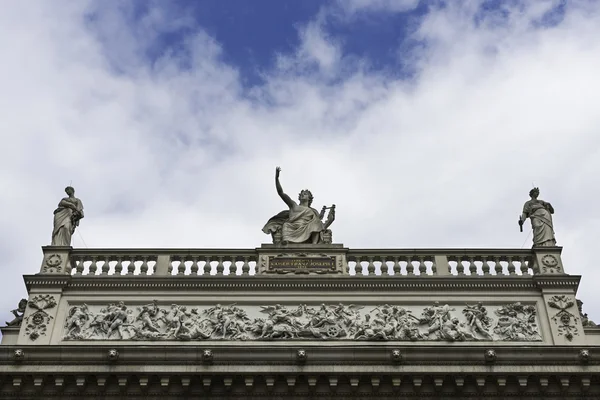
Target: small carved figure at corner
66, 218
478, 320
540, 213
585, 321
300, 223
18, 313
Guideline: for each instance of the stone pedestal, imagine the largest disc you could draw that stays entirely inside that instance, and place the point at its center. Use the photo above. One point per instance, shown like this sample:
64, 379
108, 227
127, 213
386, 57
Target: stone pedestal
56, 260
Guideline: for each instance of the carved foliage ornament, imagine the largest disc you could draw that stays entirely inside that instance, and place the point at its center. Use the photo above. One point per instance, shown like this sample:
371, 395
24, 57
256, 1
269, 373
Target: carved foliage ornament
437, 322
37, 322
566, 321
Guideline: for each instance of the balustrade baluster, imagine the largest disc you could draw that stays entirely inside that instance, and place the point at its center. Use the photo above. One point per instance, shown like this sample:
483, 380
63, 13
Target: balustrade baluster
181, 269
143, 266
194, 267
93, 267
106, 266
498, 268
485, 267
370, 267
206, 268
410, 268
524, 267
119, 266
396, 267
422, 266
460, 268
472, 266
220, 266
79, 268
245, 266
511, 266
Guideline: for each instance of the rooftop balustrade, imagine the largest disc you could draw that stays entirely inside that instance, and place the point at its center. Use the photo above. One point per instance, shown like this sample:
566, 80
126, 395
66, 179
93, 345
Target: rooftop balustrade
358, 262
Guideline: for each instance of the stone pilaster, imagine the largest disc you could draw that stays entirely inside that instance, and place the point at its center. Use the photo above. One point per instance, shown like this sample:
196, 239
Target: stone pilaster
559, 297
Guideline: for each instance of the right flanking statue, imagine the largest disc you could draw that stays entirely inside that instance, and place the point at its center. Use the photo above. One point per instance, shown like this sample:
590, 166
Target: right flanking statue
301, 223
540, 212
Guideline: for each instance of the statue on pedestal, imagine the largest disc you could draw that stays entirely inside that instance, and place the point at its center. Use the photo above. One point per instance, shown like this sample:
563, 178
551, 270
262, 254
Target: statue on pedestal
301, 223
66, 218
540, 213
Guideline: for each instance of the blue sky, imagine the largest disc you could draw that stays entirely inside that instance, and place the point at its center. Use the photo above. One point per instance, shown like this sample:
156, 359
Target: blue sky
424, 122
252, 34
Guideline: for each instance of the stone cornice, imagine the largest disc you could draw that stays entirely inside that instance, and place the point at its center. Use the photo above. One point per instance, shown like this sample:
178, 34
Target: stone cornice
285, 354
570, 282
299, 283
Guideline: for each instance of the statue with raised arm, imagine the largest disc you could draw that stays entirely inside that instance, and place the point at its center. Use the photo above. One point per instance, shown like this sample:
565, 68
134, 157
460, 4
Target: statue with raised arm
540, 213
301, 223
66, 218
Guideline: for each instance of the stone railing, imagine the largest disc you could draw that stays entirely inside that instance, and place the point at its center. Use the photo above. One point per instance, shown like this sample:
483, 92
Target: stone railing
440, 262
358, 262
147, 262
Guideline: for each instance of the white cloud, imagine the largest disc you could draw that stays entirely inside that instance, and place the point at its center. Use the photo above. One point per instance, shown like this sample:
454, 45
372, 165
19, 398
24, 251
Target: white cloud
165, 155
353, 6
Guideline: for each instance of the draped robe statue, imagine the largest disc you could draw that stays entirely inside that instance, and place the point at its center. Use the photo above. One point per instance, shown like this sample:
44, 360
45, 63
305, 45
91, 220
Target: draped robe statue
540, 213
66, 218
301, 223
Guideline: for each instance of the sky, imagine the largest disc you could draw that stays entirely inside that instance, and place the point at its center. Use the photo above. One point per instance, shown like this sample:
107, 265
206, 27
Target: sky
425, 122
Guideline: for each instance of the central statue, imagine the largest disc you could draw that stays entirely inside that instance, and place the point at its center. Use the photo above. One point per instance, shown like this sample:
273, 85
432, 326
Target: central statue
301, 223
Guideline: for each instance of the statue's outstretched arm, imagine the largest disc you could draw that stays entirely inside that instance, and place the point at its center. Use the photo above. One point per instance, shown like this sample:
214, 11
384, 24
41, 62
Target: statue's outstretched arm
290, 203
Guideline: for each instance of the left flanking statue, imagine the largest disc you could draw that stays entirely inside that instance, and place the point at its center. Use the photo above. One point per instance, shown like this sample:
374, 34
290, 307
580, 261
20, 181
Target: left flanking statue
301, 223
66, 218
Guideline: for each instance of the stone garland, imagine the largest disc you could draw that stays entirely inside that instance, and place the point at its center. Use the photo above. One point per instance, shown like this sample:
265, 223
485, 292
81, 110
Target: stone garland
36, 324
566, 321
513, 322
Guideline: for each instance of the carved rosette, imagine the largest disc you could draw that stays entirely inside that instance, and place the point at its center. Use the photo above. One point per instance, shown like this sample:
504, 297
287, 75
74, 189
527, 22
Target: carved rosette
38, 321
437, 322
564, 319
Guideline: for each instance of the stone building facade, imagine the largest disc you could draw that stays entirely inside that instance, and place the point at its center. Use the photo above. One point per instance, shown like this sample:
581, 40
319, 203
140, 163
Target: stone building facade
301, 321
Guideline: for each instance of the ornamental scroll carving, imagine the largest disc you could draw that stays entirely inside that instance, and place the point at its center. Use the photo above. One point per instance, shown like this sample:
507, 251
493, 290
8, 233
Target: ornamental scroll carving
437, 322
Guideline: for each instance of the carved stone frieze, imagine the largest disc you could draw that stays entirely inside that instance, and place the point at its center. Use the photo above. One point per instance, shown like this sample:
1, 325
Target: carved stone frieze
37, 322
517, 322
385, 322
566, 320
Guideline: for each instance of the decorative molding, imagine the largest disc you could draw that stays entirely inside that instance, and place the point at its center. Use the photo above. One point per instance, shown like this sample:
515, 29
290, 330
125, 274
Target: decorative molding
436, 322
37, 322
567, 322
296, 282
